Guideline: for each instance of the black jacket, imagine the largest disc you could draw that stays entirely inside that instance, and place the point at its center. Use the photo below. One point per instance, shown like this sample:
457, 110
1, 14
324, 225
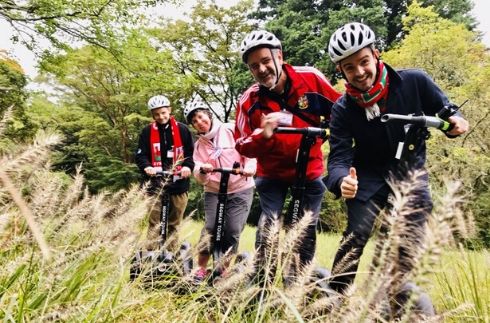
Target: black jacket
143, 156
371, 146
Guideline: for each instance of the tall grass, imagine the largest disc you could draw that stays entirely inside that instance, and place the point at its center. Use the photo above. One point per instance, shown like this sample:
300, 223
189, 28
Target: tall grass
463, 283
92, 239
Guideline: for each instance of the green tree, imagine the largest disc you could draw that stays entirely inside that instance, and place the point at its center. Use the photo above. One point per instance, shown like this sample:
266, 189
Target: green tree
117, 91
205, 50
15, 126
305, 26
12, 82
458, 11
93, 21
88, 141
448, 51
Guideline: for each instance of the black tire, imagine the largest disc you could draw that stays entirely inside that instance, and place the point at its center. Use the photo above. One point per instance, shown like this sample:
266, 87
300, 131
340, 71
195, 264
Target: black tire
421, 305
185, 257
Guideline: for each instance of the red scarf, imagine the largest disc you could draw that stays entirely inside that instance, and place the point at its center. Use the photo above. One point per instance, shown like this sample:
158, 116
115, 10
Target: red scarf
178, 149
378, 91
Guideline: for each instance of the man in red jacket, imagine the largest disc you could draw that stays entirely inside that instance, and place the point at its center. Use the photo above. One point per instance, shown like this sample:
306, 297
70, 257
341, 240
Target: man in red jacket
283, 96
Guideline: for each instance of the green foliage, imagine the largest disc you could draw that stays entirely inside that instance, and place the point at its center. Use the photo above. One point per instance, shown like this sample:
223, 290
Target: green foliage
458, 11
96, 22
104, 172
305, 26
333, 214
196, 201
106, 107
12, 83
14, 124
89, 141
116, 90
204, 49
446, 50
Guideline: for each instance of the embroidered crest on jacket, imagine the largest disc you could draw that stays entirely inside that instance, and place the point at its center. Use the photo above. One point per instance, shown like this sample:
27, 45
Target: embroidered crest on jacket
303, 102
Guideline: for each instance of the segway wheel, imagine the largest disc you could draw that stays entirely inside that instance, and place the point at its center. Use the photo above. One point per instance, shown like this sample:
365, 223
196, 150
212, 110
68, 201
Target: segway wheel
135, 269
185, 257
421, 305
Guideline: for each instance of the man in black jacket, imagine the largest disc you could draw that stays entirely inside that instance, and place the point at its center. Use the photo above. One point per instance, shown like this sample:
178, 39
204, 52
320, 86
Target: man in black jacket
364, 151
165, 145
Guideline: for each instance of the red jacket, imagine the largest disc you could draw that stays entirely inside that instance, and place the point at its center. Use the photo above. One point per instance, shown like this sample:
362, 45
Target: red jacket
310, 95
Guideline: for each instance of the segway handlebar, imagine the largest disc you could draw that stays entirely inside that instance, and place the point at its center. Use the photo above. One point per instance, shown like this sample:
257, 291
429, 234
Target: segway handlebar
309, 131
166, 173
421, 121
440, 121
235, 170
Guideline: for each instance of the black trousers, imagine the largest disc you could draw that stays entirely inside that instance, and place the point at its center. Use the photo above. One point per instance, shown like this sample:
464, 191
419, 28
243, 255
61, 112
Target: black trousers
361, 219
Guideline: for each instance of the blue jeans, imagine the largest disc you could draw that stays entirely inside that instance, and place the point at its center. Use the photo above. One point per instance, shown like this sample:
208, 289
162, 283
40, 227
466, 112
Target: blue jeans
272, 194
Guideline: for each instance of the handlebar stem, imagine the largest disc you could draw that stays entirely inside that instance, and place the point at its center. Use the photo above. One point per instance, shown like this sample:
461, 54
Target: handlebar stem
308, 131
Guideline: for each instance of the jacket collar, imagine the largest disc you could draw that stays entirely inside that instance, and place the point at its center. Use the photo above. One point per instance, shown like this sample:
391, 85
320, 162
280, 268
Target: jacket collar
395, 77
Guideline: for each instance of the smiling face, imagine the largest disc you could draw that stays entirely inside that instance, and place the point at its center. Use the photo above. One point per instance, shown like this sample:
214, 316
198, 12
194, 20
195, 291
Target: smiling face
261, 64
201, 121
161, 115
360, 68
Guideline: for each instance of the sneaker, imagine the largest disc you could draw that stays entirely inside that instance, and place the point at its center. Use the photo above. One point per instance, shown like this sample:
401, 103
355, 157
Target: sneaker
200, 275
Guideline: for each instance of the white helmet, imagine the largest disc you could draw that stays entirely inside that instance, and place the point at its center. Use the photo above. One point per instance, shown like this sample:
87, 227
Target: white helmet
158, 101
193, 106
348, 39
258, 38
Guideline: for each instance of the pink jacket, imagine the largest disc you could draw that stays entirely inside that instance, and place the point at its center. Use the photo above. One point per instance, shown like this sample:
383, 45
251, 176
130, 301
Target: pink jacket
217, 147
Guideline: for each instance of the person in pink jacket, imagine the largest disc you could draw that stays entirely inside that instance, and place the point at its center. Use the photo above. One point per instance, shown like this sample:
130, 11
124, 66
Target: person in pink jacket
215, 148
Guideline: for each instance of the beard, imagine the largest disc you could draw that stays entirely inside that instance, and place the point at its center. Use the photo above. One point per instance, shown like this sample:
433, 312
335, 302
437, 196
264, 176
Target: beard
268, 81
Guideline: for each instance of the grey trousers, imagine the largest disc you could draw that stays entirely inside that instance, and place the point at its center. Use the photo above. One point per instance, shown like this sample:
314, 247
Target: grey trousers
237, 209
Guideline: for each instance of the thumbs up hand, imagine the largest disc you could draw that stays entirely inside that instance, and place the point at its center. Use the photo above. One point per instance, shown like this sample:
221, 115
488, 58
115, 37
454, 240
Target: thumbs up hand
348, 187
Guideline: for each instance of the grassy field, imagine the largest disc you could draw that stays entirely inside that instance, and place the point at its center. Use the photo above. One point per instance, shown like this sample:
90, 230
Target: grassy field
460, 284
87, 280
327, 244
71, 260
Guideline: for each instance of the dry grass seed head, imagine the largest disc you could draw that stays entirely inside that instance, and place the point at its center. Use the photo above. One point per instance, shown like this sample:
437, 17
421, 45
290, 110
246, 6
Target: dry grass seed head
74, 191
289, 248
33, 155
45, 196
348, 260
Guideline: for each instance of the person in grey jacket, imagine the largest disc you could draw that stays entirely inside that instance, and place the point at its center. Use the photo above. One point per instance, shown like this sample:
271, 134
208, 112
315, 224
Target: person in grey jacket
364, 151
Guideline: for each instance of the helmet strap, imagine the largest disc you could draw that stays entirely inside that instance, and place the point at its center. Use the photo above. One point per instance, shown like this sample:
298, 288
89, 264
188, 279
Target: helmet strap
278, 71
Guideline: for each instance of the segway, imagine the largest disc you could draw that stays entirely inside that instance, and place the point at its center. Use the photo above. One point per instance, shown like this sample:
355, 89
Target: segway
440, 121
419, 302
218, 233
308, 139
295, 209
416, 130
155, 265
